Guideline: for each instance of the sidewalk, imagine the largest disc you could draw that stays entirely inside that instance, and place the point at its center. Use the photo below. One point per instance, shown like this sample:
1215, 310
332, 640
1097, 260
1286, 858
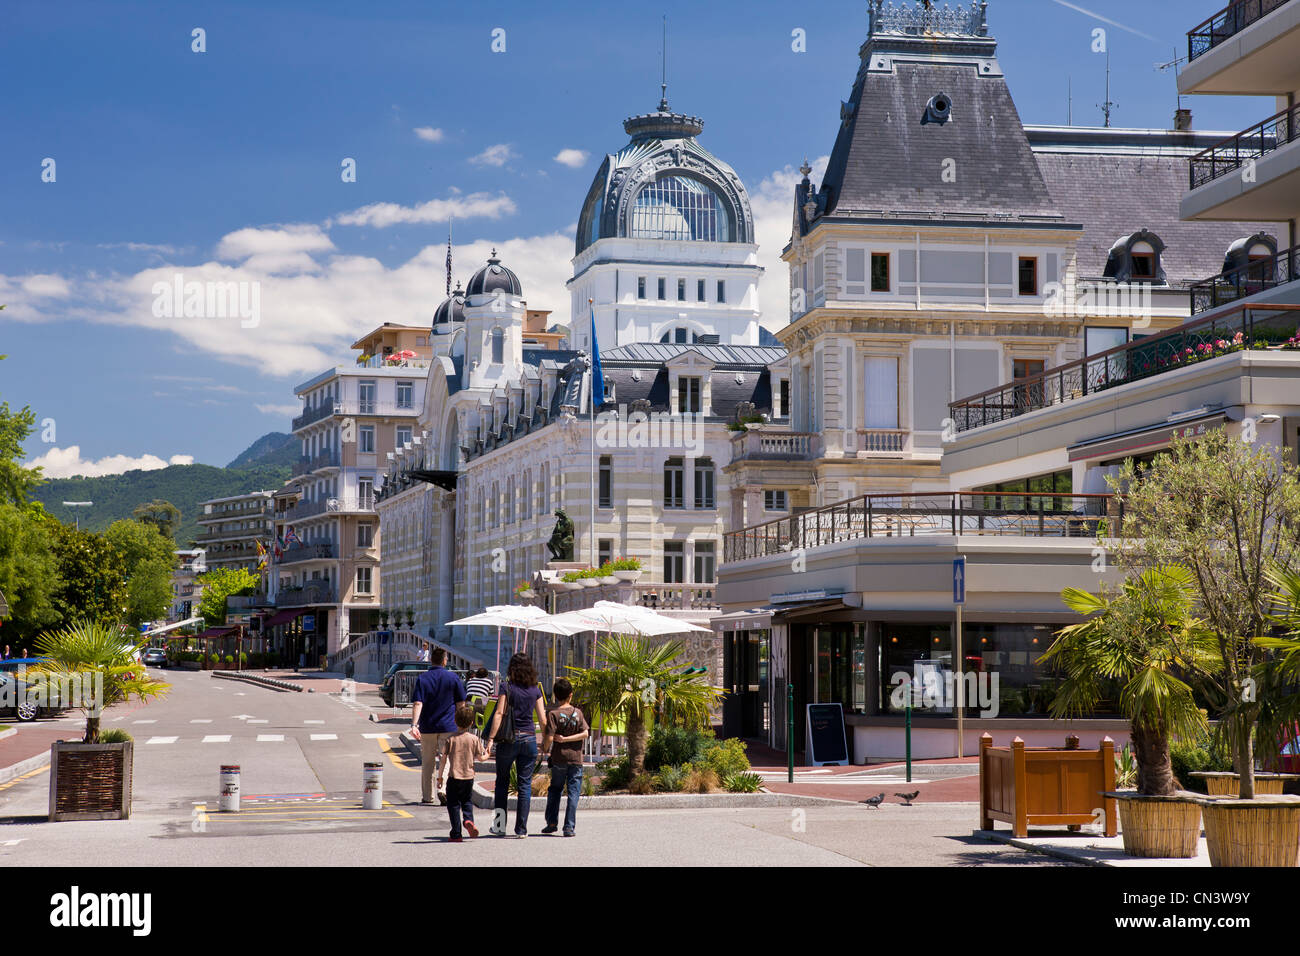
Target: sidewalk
945, 780
29, 749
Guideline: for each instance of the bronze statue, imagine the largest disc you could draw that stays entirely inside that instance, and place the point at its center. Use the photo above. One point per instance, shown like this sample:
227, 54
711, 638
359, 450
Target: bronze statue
561, 543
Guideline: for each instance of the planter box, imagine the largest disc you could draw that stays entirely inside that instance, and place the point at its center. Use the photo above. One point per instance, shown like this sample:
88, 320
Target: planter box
1046, 787
1163, 827
90, 781
1260, 832
627, 575
1225, 783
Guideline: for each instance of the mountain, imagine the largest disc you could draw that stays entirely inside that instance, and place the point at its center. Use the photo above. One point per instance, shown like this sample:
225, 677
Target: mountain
273, 448
117, 496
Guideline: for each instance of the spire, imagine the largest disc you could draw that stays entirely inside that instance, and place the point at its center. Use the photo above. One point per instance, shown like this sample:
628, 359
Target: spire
449, 255
663, 71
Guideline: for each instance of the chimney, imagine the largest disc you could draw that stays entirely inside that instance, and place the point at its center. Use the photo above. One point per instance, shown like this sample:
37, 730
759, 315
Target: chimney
1182, 120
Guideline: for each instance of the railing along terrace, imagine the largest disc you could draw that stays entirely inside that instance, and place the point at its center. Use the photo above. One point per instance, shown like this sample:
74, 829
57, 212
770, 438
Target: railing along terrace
1250, 144
1226, 24
1044, 515
1245, 327
315, 414
775, 443
1258, 275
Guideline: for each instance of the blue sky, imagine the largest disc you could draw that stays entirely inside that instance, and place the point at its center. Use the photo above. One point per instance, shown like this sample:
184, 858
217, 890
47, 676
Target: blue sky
227, 163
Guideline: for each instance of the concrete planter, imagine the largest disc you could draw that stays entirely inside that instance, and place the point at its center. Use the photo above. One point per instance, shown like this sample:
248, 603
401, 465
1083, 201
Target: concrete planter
90, 781
1260, 832
628, 576
1154, 826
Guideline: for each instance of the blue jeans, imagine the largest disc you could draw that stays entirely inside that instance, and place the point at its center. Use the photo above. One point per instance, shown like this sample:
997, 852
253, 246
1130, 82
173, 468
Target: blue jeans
568, 777
522, 753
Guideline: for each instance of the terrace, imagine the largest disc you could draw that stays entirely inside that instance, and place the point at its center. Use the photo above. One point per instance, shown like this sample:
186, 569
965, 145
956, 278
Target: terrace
1227, 23
1244, 147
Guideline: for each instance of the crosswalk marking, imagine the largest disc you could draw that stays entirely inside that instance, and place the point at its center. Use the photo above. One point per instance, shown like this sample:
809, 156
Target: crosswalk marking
146, 721
313, 721
270, 738
375, 736
258, 721
217, 739
201, 721
161, 740
324, 737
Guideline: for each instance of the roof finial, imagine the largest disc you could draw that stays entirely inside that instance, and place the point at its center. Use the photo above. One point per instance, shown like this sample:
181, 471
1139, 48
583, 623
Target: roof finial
805, 169
449, 218
663, 71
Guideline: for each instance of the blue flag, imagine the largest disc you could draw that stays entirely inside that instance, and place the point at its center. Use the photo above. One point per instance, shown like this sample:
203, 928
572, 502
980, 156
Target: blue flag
597, 376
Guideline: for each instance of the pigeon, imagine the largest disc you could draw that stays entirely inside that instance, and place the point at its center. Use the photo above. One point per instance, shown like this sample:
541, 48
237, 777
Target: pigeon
907, 798
875, 801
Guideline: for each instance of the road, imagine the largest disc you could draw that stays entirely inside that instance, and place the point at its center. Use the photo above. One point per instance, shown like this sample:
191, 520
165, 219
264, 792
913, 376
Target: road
301, 758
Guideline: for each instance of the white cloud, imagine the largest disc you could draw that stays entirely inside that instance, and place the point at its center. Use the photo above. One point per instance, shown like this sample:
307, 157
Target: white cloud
497, 155
68, 463
380, 215
160, 248
772, 203
280, 241
45, 286
428, 133
280, 411
573, 158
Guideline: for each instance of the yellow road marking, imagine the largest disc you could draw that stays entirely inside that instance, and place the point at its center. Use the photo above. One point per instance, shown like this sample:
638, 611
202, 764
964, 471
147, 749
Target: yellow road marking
18, 780
283, 814
397, 761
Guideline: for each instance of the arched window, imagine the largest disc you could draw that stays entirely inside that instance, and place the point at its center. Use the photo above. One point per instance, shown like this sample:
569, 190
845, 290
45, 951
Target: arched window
498, 346
677, 207
680, 336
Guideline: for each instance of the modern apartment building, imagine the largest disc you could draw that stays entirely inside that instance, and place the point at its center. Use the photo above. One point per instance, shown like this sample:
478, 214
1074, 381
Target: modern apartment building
231, 528
186, 590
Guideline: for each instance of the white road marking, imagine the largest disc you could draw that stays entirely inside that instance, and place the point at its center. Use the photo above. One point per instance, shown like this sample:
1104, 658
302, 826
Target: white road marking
13, 842
259, 721
242, 717
161, 740
146, 721
217, 739
324, 736
201, 721
270, 738
313, 721
375, 736
240, 693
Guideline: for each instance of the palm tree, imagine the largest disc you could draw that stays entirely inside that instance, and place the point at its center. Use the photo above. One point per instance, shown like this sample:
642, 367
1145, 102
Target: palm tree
1280, 715
641, 682
100, 659
1146, 639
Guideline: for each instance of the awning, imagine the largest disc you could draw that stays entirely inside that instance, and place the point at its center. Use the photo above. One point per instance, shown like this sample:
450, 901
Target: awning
755, 619
445, 480
1141, 440
213, 632
283, 617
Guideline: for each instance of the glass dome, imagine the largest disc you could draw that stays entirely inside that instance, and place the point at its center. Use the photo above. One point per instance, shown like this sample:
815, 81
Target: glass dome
678, 207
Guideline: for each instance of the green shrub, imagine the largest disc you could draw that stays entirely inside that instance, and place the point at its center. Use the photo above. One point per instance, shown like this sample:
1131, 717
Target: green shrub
672, 779
742, 782
1191, 756
1126, 769
669, 746
115, 735
230, 658
615, 773
724, 757
641, 784
588, 785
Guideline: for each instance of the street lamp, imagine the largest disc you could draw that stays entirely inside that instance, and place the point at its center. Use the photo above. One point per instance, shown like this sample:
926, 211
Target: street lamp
77, 504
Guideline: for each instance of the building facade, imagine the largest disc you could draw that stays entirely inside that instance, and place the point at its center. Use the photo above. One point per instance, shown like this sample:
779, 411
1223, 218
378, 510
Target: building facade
230, 530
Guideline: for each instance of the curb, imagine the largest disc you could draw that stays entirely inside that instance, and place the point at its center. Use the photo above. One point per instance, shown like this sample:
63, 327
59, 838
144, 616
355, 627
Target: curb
24, 766
260, 681
1073, 856
8, 733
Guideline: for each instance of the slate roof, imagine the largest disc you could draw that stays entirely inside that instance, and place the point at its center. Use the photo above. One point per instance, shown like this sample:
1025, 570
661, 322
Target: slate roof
651, 353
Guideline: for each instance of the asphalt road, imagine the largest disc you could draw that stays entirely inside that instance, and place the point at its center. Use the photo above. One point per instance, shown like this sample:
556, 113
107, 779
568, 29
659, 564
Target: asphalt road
301, 758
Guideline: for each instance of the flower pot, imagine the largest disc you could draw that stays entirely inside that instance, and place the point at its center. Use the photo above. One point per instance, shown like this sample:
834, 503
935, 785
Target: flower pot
90, 781
627, 575
1158, 826
590, 582
609, 580
572, 585
1228, 784
1260, 832
526, 595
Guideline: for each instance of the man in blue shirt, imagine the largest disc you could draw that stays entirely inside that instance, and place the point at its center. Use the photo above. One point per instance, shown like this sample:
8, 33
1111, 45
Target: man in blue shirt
436, 694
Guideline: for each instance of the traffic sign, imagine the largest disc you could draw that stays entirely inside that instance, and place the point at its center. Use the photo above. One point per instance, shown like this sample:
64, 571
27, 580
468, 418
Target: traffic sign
959, 581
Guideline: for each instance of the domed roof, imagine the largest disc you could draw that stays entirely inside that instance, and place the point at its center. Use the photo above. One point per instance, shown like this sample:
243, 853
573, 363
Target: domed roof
664, 185
452, 309
492, 278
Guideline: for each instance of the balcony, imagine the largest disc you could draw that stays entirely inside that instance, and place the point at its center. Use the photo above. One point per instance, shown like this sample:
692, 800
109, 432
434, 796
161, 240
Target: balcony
306, 465
1257, 276
935, 513
758, 444
1235, 151
395, 409
1226, 24
884, 441
378, 361
309, 509
1245, 327
1246, 49
315, 414
658, 597
306, 552
309, 594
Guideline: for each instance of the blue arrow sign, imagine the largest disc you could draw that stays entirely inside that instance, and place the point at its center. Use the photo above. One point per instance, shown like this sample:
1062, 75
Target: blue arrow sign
959, 581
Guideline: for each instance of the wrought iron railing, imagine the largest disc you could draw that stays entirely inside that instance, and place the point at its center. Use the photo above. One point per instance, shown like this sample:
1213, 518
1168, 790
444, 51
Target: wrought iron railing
306, 552
1244, 327
1258, 275
296, 597
314, 414
930, 513
1226, 24
1241, 148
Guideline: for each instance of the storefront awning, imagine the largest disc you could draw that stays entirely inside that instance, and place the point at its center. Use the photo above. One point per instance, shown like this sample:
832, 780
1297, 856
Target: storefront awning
755, 619
216, 632
284, 617
1142, 440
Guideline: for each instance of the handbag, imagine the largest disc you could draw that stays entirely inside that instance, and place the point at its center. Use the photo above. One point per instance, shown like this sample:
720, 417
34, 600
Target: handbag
506, 729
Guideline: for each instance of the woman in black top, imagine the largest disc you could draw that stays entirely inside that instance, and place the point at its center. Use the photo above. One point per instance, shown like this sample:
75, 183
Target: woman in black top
521, 694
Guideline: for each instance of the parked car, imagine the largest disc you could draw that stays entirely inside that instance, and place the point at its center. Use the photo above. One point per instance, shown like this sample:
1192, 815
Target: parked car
15, 699
155, 657
386, 687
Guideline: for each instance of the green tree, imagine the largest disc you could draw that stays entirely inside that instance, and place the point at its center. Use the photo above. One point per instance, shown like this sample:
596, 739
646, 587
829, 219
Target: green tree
162, 514
218, 584
639, 682
1230, 514
149, 560
1145, 638
15, 480
29, 571
92, 575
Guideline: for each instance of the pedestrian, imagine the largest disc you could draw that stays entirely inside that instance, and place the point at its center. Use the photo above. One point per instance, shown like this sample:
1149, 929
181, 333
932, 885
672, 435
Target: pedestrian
479, 688
459, 753
424, 651
6, 654
566, 729
520, 699
437, 692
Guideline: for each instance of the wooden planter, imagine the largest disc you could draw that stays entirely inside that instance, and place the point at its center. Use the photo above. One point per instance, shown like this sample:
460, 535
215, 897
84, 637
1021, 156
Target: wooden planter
1260, 832
1047, 787
1166, 827
90, 781
1228, 784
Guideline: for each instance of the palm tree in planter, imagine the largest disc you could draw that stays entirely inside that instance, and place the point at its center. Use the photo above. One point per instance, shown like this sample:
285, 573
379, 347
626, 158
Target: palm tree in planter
639, 682
94, 664
1144, 639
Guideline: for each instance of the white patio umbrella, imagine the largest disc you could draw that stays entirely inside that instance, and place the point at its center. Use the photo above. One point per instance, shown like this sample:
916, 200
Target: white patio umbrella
619, 618
516, 616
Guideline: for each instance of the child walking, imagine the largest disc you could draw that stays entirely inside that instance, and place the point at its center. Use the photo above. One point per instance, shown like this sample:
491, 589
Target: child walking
566, 729
459, 752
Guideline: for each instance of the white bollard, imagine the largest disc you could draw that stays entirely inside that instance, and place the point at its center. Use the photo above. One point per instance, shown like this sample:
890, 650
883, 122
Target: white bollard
229, 802
372, 786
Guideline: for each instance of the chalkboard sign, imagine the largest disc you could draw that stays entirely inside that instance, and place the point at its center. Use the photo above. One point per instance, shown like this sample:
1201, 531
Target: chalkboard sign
826, 743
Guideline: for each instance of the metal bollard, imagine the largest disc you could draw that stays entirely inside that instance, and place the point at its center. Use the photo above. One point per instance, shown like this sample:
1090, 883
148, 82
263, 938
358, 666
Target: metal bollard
229, 801
372, 786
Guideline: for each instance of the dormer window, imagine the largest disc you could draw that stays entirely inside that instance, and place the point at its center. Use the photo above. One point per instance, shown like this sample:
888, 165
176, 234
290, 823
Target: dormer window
1136, 258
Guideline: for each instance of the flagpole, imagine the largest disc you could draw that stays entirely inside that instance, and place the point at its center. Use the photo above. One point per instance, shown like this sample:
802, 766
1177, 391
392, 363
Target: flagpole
594, 359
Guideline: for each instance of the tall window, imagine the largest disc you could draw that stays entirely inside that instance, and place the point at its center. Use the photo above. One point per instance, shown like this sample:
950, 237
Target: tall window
366, 397
674, 483
606, 481
784, 410
604, 551
704, 475
494, 505
674, 562
706, 562
405, 395
526, 499
681, 290
663, 288
880, 272
366, 492
688, 395
881, 381
498, 346
1028, 275
366, 439
363, 580
403, 435
699, 290
510, 500
676, 207
365, 535
640, 287
722, 290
